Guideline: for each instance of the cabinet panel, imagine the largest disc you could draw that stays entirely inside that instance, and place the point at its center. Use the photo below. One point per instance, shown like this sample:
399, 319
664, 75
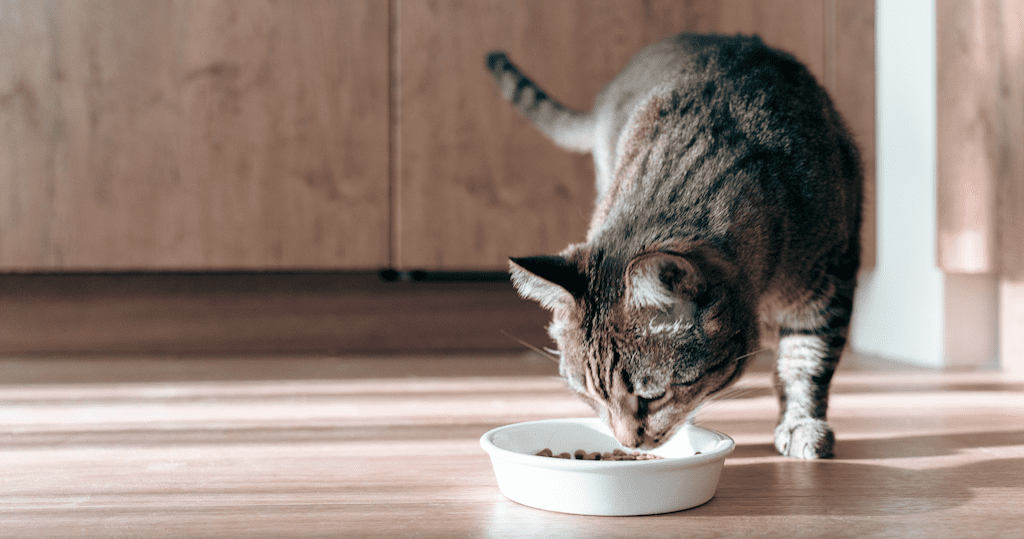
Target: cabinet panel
980, 124
28, 125
850, 79
475, 183
179, 134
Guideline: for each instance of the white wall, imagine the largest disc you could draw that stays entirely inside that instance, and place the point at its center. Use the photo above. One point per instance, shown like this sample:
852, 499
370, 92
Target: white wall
897, 311
906, 309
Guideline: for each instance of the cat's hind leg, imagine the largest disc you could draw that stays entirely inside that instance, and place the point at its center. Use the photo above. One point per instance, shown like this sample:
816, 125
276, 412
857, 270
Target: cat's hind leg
809, 348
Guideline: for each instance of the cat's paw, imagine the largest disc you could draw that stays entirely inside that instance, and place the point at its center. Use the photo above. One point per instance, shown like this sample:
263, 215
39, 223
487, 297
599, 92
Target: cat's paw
805, 438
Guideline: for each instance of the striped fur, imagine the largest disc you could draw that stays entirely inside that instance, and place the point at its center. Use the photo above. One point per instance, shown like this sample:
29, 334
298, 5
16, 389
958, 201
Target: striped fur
727, 219
573, 130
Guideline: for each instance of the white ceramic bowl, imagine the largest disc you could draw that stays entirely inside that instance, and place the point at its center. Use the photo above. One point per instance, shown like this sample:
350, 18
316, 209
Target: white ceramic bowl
680, 480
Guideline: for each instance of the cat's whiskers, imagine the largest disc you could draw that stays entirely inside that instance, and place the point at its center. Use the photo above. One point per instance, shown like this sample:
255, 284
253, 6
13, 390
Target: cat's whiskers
731, 393
758, 351
544, 352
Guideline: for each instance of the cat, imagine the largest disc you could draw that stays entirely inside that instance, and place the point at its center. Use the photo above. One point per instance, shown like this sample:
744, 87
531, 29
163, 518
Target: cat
727, 221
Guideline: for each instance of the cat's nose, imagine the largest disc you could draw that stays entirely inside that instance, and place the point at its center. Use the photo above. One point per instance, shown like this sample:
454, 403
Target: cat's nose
628, 433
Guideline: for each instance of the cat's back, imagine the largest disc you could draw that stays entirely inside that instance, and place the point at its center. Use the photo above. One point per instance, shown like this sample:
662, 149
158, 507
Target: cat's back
672, 60
679, 62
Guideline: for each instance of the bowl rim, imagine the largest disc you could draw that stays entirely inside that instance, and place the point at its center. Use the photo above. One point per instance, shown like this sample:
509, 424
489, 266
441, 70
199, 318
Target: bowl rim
487, 443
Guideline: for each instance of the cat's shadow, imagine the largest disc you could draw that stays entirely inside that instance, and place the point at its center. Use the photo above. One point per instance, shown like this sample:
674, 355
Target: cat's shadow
856, 489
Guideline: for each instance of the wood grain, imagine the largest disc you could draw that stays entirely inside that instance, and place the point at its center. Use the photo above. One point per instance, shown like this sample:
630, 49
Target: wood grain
388, 447
1011, 187
475, 185
28, 122
968, 125
980, 137
186, 135
850, 80
179, 134
474, 173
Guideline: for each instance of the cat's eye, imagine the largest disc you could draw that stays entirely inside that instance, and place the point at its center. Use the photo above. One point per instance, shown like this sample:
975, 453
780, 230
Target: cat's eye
655, 402
652, 399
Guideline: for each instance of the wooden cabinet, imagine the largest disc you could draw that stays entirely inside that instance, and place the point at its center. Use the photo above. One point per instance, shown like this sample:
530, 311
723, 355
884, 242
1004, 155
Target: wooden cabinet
190, 135
331, 134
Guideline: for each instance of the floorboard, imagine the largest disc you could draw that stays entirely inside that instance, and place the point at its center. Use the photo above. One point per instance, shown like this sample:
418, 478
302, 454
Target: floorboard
388, 447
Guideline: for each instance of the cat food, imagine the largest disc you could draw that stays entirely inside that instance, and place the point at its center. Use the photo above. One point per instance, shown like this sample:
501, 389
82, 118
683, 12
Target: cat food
580, 454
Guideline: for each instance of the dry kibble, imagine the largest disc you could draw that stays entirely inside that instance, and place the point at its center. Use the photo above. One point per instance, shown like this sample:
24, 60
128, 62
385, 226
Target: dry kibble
617, 454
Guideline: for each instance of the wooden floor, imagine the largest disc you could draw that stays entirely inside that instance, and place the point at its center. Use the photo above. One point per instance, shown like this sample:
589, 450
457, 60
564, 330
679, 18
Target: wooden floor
375, 447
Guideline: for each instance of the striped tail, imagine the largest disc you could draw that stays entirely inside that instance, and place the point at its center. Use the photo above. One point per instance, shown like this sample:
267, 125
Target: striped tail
570, 129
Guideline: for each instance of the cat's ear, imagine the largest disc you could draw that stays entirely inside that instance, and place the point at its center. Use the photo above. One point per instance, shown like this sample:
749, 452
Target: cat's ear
551, 280
662, 281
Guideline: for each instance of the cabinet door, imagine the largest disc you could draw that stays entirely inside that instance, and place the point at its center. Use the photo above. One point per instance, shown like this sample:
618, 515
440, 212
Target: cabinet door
184, 134
475, 183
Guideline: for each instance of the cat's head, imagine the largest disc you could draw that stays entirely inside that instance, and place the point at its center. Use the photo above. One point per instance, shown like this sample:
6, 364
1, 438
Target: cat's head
643, 339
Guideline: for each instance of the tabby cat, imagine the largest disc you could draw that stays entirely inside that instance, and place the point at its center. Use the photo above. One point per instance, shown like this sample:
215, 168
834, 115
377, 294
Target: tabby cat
726, 222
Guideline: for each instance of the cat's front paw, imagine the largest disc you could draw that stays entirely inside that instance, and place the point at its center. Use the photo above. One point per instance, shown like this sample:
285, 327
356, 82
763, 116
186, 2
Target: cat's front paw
805, 438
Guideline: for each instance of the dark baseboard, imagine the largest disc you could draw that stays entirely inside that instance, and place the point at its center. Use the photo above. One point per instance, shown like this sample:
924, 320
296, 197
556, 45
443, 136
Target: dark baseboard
245, 313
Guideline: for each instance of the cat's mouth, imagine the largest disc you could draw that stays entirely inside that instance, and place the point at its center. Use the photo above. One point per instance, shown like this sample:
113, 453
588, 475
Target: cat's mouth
654, 441
649, 433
